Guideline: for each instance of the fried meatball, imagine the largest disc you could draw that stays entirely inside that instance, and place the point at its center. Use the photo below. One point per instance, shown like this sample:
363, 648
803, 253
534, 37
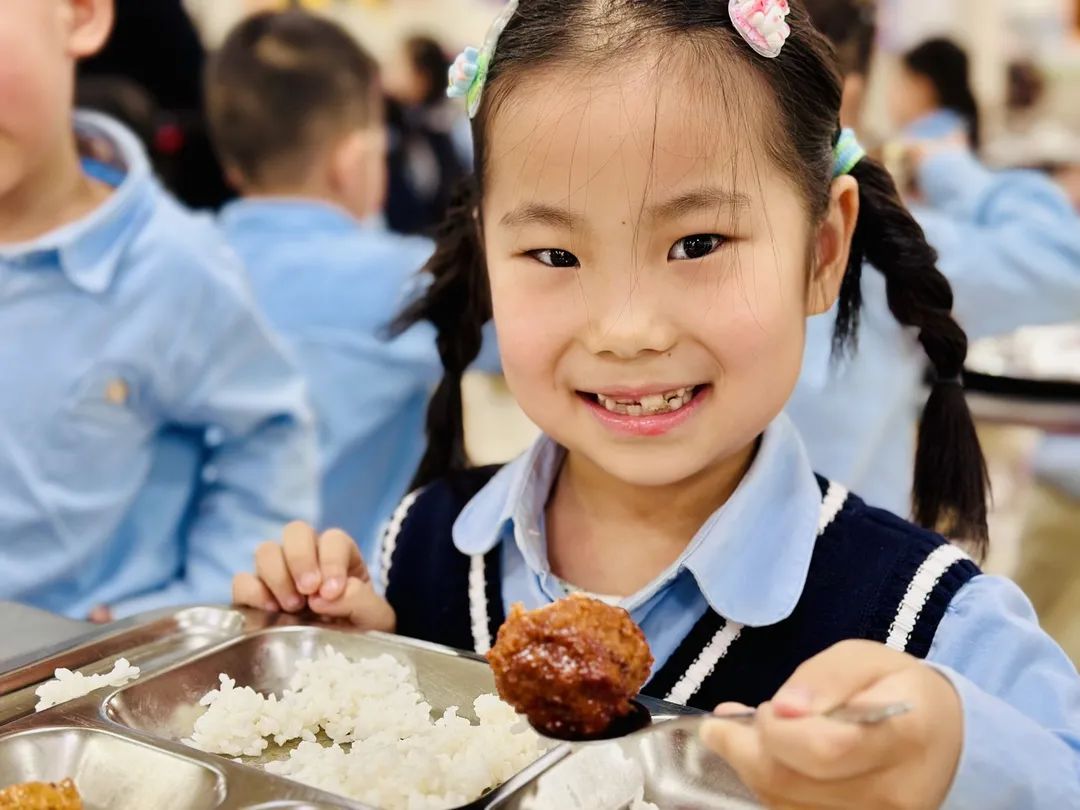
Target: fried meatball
41, 796
571, 667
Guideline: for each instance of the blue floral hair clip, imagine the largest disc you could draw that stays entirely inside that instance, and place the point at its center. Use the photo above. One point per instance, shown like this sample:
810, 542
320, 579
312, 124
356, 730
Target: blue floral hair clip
468, 74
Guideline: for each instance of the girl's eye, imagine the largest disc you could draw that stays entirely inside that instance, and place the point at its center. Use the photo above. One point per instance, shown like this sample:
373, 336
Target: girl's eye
553, 257
697, 246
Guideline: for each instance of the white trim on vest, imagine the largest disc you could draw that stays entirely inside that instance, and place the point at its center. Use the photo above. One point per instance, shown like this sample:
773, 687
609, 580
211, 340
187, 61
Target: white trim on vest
478, 604
705, 664
919, 589
390, 537
835, 498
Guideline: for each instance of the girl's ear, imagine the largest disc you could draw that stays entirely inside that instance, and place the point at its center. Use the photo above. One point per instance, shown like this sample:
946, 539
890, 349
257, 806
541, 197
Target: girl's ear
832, 246
88, 24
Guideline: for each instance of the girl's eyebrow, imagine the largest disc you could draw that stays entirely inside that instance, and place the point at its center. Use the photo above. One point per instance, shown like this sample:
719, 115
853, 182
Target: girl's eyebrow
541, 214
709, 198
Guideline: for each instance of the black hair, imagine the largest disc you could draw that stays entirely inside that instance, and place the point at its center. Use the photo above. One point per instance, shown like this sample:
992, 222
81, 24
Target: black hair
430, 61
851, 27
282, 83
950, 477
945, 65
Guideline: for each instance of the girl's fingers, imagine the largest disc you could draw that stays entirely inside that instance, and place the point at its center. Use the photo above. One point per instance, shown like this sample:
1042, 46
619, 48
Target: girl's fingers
301, 557
834, 677
339, 559
248, 590
777, 786
271, 568
824, 749
730, 708
360, 605
740, 745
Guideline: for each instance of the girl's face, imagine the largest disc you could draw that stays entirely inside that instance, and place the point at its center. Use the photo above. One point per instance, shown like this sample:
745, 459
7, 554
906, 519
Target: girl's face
649, 267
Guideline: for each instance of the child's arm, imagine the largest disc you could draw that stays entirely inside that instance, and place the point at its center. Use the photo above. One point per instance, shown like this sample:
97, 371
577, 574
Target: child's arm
1004, 734
227, 374
1009, 243
325, 573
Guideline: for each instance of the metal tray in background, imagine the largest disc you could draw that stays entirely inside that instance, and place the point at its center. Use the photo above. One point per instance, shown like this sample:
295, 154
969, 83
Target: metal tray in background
150, 642
130, 736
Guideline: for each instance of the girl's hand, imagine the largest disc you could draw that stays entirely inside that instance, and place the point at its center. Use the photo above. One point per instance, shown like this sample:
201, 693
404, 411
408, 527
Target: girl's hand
324, 573
793, 757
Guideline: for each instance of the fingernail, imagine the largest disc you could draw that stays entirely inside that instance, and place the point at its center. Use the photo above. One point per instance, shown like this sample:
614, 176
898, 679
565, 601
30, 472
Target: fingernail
271, 607
309, 582
332, 587
794, 699
293, 605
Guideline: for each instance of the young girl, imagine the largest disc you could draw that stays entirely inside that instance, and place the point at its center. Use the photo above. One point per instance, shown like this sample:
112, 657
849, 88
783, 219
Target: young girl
663, 196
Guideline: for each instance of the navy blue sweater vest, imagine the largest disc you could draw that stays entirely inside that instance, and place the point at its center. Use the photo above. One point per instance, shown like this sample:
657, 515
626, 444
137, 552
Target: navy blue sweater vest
872, 576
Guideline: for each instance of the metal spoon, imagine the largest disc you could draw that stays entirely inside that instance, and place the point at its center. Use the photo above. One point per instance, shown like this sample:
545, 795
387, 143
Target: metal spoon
640, 721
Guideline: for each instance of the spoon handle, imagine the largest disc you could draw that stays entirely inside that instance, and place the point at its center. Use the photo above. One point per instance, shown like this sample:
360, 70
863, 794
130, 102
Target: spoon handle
867, 714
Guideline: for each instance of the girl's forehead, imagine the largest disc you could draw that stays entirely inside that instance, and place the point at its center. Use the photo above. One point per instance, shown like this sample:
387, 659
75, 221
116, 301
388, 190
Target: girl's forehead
642, 123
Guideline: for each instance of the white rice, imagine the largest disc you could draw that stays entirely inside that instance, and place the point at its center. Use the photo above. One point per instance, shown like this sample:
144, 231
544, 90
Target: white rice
574, 784
395, 756
67, 685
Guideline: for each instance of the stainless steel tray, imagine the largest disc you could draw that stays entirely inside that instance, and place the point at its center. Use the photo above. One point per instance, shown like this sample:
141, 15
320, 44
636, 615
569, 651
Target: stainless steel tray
122, 746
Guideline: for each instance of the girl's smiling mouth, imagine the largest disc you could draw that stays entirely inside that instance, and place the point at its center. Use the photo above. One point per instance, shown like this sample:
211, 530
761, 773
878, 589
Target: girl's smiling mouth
646, 411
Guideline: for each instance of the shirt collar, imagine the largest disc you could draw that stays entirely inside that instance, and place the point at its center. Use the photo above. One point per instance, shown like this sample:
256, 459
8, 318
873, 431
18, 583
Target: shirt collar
89, 250
749, 560
293, 214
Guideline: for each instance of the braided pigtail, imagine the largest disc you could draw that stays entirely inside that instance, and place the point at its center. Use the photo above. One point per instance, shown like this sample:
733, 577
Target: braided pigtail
458, 303
951, 482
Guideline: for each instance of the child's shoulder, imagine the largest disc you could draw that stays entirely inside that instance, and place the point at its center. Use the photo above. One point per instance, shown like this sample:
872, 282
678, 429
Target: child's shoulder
442, 501
851, 520
181, 253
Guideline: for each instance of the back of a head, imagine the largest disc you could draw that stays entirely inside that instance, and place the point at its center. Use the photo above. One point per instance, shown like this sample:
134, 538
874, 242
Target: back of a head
430, 63
282, 89
851, 27
945, 65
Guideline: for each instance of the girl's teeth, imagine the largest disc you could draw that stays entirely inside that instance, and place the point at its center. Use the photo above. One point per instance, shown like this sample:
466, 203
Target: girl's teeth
649, 405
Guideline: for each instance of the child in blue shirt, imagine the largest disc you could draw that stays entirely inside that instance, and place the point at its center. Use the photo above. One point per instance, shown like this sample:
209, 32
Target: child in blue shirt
296, 114
664, 195
1008, 242
125, 323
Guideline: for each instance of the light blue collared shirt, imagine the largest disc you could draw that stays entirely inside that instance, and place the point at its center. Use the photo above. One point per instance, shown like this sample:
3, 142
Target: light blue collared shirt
331, 286
133, 354
1009, 243
749, 562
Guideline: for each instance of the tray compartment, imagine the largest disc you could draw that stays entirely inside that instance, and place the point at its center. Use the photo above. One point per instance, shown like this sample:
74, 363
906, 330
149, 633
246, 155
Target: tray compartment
110, 771
166, 704
679, 774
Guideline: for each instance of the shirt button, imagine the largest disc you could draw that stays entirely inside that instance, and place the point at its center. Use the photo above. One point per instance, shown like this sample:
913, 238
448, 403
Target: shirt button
117, 392
214, 436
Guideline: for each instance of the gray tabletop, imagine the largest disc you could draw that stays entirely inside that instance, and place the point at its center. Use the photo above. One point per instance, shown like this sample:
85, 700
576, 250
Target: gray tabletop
25, 629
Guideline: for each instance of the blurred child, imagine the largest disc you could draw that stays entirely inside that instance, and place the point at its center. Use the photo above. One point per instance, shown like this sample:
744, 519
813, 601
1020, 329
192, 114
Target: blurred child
664, 195
1009, 243
296, 113
932, 97
124, 322
425, 162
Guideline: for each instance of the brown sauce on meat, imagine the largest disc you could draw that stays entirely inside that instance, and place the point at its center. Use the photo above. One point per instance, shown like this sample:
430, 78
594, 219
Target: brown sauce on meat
571, 667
